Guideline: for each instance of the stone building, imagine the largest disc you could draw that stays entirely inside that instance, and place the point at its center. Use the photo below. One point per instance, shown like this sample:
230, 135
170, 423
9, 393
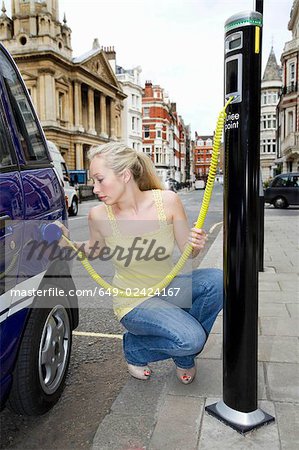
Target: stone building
288, 107
270, 91
78, 100
132, 112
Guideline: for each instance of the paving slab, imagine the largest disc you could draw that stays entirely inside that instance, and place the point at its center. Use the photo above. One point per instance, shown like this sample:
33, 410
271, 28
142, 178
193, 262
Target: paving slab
278, 349
277, 297
282, 381
178, 424
293, 309
215, 435
287, 416
267, 309
274, 326
213, 347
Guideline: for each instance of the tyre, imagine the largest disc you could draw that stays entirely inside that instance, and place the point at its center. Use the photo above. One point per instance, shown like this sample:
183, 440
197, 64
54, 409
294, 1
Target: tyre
43, 359
73, 209
280, 202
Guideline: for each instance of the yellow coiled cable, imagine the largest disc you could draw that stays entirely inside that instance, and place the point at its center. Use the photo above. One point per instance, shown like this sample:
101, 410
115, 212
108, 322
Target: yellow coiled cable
199, 224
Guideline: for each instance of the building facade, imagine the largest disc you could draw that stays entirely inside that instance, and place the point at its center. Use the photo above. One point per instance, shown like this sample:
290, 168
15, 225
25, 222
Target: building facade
288, 107
202, 151
78, 100
132, 106
270, 91
165, 136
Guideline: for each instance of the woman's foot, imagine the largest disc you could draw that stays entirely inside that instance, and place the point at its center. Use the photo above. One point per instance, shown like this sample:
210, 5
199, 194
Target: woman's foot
186, 376
139, 372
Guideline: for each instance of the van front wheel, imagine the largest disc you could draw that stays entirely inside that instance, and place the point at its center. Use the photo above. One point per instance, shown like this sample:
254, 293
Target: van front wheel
41, 368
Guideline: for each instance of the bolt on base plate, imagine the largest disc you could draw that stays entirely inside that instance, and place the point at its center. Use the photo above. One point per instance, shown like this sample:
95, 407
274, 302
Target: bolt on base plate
239, 421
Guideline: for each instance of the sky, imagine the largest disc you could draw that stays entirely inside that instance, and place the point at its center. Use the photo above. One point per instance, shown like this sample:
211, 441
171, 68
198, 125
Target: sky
178, 44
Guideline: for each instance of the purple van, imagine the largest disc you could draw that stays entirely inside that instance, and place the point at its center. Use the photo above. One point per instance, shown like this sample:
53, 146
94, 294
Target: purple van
37, 312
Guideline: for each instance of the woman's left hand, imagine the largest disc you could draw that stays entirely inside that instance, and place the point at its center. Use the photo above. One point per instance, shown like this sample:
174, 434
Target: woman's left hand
197, 238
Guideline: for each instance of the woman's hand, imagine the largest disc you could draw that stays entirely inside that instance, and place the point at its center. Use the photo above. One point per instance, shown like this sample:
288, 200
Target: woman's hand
62, 242
197, 238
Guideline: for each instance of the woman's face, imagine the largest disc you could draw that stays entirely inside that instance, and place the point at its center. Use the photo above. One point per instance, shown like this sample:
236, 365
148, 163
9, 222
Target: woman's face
108, 186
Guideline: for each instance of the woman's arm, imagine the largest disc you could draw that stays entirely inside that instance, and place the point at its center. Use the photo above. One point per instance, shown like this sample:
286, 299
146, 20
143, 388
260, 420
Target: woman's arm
182, 233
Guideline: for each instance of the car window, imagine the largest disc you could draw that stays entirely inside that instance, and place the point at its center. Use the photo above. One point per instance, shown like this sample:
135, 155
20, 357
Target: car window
280, 182
5, 155
29, 134
294, 180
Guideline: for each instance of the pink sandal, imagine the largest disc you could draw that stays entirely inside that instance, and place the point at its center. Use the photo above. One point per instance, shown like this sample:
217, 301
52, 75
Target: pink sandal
186, 376
139, 372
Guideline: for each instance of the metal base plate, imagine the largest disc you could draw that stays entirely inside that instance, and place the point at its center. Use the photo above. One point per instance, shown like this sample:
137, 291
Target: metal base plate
241, 422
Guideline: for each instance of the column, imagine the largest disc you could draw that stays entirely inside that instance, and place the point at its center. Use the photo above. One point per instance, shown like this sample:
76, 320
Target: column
79, 156
91, 112
78, 106
112, 120
103, 116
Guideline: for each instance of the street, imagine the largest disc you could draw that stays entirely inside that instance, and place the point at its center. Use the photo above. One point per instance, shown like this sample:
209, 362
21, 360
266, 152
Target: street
97, 370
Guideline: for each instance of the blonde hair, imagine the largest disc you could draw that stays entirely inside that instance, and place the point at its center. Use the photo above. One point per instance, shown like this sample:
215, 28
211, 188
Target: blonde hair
119, 157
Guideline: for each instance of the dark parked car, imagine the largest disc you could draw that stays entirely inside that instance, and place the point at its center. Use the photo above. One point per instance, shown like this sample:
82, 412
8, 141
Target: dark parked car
38, 308
283, 190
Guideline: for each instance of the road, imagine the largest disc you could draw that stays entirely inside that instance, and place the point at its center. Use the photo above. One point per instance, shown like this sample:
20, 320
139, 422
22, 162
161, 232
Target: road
97, 370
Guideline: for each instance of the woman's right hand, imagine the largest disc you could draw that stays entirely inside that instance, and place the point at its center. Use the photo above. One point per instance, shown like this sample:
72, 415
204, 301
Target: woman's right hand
62, 242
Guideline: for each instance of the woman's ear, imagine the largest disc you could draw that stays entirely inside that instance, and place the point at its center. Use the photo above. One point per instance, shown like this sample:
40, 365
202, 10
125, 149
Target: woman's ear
127, 175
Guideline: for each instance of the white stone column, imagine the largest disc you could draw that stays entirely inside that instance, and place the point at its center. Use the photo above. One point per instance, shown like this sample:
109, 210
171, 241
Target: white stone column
112, 120
78, 106
79, 156
91, 112
103, 116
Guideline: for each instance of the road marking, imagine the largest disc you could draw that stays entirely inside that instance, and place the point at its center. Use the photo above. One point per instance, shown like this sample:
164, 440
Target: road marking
77, 218
214, 226
101, 335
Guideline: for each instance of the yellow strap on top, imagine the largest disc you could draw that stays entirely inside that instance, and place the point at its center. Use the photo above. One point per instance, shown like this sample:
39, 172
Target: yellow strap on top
159, 206
112, 220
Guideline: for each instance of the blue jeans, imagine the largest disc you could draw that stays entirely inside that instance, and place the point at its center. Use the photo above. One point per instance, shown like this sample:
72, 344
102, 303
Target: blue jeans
158, 329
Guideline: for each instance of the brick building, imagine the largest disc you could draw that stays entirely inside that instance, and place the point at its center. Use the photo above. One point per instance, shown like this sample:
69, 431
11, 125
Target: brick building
166, 139
202, 152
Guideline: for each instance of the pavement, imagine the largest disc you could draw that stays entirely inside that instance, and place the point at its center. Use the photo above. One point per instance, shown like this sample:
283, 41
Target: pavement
163, 414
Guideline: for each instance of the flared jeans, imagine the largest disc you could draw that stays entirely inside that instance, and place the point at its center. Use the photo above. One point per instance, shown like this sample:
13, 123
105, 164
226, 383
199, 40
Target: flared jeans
159, 329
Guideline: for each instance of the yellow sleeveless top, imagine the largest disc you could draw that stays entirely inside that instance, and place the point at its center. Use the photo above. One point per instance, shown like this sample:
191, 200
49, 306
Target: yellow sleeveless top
149, 262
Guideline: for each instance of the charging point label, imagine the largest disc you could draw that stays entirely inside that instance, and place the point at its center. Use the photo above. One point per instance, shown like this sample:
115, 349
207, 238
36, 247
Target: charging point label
232, 121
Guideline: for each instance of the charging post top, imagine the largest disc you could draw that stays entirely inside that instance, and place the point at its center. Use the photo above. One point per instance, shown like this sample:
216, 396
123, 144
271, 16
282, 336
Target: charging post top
243, 19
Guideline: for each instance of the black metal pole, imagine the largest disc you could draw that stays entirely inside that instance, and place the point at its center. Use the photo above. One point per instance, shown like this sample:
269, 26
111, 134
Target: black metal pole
241, 212
259, 7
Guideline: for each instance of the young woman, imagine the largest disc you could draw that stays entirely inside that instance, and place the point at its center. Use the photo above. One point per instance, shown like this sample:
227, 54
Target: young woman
139, 223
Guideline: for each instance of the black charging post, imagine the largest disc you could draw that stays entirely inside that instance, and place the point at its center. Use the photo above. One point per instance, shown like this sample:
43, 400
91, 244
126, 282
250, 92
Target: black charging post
239, 408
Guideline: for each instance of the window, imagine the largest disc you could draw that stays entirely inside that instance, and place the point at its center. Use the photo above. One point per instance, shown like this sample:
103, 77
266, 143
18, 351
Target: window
147, 151
5, 155
280, 181
133, 123
265, 98
294, 181
146, 132
268, 121
61, 105
290, 122
146, 112
159, 133
29, 134
292, 73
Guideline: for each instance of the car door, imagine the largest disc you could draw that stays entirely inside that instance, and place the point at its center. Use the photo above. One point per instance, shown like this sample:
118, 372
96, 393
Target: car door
294, 189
